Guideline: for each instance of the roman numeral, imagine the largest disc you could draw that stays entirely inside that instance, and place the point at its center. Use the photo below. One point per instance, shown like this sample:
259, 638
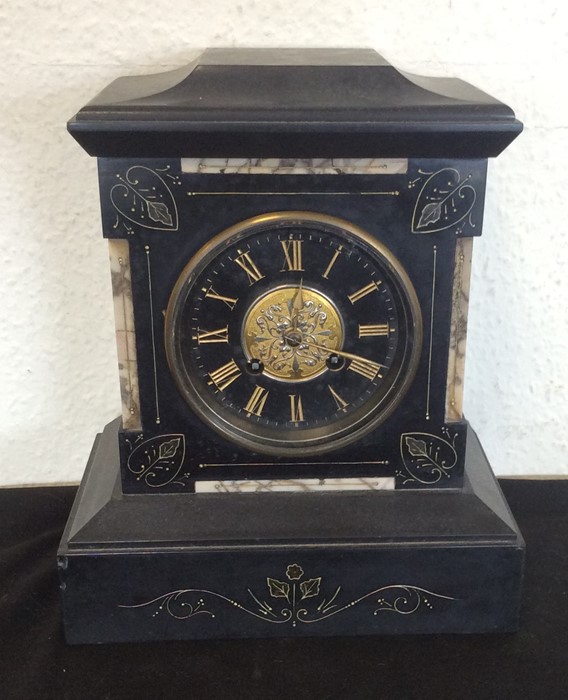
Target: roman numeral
332, 262
256, 402
378, 329
360, 293
225, 375
339, 402
366, 368
292, 255
296, 409
245, 261
221, 335
212, 294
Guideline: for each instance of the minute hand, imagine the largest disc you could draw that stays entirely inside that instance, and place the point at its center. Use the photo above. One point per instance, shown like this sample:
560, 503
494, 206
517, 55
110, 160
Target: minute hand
346, 355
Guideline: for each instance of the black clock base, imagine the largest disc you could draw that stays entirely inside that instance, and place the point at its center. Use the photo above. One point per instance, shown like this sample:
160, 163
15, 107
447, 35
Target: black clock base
157, 567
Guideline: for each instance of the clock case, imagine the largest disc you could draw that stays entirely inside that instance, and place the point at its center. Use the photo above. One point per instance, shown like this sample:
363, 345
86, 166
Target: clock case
388, 207
183, 156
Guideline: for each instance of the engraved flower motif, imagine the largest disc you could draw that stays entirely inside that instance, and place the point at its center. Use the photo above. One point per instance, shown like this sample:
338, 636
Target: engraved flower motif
294, 572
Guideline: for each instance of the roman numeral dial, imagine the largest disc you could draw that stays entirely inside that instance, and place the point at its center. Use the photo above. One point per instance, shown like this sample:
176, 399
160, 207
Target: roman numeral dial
331, 263
361, 293
296, 408
292, 255
221, 335
290, 335
256, 402
225, 375
366, 368
245, 262
376, 330
212, 294
339, 402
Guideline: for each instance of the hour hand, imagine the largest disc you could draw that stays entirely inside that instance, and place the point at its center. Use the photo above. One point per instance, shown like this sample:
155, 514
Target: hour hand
298, 300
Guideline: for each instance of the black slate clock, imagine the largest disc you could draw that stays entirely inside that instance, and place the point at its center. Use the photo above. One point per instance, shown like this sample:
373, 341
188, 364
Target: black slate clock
290, 238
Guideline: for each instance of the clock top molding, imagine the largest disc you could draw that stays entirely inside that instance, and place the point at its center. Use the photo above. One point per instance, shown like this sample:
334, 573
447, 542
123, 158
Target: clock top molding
293, 103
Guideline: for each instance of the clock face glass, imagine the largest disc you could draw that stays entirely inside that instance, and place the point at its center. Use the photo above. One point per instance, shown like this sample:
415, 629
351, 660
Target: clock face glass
293, 333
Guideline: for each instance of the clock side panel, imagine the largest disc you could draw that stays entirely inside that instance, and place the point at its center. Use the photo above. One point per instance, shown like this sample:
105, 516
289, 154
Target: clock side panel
158, 216
458, 330
120, 268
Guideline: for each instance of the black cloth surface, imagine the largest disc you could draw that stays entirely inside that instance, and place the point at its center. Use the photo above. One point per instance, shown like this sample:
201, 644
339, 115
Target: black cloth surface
36, 663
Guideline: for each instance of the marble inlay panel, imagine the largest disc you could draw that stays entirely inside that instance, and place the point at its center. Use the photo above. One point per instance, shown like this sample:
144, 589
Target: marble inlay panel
458, 332
292, 166
291, 485
119, 253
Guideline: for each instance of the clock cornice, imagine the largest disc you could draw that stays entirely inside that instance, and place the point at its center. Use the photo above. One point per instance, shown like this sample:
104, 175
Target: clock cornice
293, 103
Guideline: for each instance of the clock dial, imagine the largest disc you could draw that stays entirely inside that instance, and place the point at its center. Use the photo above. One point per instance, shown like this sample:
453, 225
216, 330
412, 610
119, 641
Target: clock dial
293, 333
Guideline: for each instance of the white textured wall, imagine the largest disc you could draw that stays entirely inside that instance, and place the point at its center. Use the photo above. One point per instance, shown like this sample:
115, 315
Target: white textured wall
58, 378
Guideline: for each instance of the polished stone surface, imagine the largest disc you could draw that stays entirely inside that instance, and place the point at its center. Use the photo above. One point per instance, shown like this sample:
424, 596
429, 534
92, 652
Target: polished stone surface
296, 485
300, 166
125, 332
458, 331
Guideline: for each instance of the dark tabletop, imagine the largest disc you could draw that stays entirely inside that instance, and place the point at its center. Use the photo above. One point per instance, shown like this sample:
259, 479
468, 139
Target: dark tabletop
35, 662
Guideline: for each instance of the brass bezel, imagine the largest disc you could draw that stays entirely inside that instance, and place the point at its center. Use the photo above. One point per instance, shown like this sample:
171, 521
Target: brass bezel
296, 447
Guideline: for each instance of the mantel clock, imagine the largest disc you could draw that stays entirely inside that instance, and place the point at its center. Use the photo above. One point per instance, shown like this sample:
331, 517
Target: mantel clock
290, 237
